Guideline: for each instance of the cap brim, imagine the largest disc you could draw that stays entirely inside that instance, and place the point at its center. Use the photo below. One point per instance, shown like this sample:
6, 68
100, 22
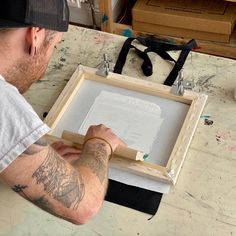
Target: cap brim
11, 24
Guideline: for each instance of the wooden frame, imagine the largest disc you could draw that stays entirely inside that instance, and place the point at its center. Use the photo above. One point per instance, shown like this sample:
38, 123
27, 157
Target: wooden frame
168, 173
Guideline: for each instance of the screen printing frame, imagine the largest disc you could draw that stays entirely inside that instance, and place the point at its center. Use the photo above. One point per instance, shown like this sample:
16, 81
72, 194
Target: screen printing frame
196, 102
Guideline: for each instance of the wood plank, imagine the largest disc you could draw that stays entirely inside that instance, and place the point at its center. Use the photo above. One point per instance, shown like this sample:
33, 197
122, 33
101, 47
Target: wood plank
185, 136
64, 99
105, 7
180, 32
142, 86
155, 172
120, 151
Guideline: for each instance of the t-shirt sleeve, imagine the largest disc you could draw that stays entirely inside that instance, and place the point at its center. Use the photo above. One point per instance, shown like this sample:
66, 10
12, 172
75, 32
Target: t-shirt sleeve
20, 126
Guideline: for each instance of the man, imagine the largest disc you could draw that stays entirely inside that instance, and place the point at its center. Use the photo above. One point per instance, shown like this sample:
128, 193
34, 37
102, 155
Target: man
29, 31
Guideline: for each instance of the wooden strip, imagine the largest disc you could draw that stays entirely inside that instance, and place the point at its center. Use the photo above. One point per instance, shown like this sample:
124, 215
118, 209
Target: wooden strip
120, 151
185, 136
151, 171
107, 16
179, 32
64, 99
139, 85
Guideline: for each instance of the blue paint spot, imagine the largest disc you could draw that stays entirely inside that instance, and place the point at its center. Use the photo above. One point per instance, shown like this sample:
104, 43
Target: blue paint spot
127, 33
145, 157
205, 117
104, 18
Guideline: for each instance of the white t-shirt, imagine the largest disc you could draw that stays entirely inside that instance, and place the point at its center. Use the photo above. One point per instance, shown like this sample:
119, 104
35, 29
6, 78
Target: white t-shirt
20, 126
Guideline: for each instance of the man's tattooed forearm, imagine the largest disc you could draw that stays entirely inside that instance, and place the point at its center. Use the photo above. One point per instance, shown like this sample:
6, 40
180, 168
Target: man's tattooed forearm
42, 202
62, 183
94, 156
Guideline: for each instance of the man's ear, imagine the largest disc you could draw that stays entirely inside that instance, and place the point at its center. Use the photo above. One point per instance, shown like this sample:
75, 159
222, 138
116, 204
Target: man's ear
34, 38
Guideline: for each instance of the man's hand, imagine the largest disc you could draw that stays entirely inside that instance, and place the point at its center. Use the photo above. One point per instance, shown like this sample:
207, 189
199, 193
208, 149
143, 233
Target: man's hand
101, 131
95, 153
70, 154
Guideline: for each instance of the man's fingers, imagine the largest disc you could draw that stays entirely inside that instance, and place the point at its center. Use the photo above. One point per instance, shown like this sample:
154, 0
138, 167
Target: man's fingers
69, 150
106, 133
71, 157
63, 149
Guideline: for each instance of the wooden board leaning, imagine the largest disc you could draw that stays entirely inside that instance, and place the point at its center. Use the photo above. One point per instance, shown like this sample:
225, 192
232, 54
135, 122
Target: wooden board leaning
168, 173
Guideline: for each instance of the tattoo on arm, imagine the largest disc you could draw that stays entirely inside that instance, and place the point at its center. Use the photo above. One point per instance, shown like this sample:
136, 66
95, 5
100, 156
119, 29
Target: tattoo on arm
63, 184
94, 156
42, 202
20, 190
58, 180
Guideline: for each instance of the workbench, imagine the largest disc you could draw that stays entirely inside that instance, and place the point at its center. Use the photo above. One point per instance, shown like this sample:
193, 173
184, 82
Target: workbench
203, 202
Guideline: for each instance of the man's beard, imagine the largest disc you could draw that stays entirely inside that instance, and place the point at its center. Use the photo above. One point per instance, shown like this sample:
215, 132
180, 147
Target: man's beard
25, 72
